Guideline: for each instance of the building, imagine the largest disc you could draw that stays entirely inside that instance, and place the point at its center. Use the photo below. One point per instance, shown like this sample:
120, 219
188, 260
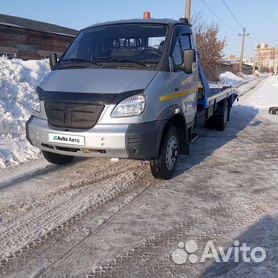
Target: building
234, 67
227, 65
248, 60
265, 58
231, 63
30, 39
232, 58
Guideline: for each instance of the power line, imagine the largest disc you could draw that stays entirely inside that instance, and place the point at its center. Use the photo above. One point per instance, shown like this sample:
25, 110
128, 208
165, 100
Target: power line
219, 17
234, 17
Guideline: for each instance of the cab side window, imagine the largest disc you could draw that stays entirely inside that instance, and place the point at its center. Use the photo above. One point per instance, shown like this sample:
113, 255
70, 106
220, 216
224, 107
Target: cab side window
185, 42
182, 42
177, 53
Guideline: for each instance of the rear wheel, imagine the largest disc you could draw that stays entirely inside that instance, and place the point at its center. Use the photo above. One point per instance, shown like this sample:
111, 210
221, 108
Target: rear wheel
164, 166
210, 123
222, 118
58, 159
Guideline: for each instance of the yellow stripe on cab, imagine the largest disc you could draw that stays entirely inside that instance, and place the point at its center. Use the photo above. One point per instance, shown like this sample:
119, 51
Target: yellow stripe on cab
182, 94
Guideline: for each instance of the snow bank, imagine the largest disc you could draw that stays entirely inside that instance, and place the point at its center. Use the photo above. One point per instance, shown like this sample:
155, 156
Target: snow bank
228, 78
265, 95
18, 80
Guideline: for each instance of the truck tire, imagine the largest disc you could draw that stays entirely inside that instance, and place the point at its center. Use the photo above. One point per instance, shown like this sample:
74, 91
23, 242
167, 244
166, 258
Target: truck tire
210, 123
222, 117
164, 166
58, 159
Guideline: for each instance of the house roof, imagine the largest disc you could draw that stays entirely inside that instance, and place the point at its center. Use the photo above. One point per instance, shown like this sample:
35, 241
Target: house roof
19, 22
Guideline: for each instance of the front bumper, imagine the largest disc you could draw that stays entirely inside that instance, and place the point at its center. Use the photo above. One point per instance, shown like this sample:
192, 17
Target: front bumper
135, 141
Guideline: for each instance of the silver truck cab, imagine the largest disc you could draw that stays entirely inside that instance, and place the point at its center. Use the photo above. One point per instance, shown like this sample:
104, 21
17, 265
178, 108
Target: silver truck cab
125, 89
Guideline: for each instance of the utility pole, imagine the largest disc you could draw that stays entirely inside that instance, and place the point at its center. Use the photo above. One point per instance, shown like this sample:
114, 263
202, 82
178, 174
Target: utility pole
254, 63
244, 34
255, 60
188, 10
275, 62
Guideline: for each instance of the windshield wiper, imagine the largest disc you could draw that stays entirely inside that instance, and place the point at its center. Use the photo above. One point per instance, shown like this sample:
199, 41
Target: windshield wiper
77, 61
108, 60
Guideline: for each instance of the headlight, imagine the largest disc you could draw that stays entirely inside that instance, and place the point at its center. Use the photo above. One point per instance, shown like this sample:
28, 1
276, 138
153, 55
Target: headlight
36, 104
131, 106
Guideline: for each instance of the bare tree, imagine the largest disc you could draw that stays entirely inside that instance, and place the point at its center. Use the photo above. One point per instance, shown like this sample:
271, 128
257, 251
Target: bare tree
209, 45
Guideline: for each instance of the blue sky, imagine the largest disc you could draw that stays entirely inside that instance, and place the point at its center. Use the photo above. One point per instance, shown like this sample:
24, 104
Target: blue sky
259, 16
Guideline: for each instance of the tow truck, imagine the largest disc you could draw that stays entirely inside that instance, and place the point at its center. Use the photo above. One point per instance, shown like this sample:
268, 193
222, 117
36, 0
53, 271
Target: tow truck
131, 89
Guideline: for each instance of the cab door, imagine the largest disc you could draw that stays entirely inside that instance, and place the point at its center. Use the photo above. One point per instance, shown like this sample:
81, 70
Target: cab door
185, 85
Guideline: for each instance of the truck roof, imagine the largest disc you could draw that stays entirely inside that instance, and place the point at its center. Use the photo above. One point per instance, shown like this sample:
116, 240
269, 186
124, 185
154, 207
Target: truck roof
167, 21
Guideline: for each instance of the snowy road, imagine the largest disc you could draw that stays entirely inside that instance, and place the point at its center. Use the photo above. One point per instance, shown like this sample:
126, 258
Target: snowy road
112, 219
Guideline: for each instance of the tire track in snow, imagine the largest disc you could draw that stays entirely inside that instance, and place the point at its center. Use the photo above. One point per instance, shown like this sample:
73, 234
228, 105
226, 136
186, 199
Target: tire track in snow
99, 169
39, 224
48, 198
154, 254
81, 247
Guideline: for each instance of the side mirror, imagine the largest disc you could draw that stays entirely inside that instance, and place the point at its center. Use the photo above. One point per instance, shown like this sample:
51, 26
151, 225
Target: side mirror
53, 60
189, 57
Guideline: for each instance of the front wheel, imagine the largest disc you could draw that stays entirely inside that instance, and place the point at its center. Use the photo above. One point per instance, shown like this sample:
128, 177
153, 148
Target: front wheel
56, 158
164, 166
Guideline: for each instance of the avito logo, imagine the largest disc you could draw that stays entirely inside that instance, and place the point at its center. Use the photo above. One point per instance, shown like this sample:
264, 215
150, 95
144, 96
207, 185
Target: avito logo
236, 252
60, 138
67, 139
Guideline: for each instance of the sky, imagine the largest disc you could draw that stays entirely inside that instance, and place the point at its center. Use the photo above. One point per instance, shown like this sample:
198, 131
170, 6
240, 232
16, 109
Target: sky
258, 16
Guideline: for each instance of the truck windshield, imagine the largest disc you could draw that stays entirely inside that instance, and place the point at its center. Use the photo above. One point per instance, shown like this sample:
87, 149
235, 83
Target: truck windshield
133, 45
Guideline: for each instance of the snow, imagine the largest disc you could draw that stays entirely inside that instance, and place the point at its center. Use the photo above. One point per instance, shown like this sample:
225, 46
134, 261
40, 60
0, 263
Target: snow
228, 78
18, 80
265, 95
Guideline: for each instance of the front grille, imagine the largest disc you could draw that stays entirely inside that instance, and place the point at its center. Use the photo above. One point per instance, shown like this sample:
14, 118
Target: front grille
73, 115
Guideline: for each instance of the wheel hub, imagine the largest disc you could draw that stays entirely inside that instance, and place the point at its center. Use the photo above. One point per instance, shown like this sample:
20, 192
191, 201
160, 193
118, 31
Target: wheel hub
171, 152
